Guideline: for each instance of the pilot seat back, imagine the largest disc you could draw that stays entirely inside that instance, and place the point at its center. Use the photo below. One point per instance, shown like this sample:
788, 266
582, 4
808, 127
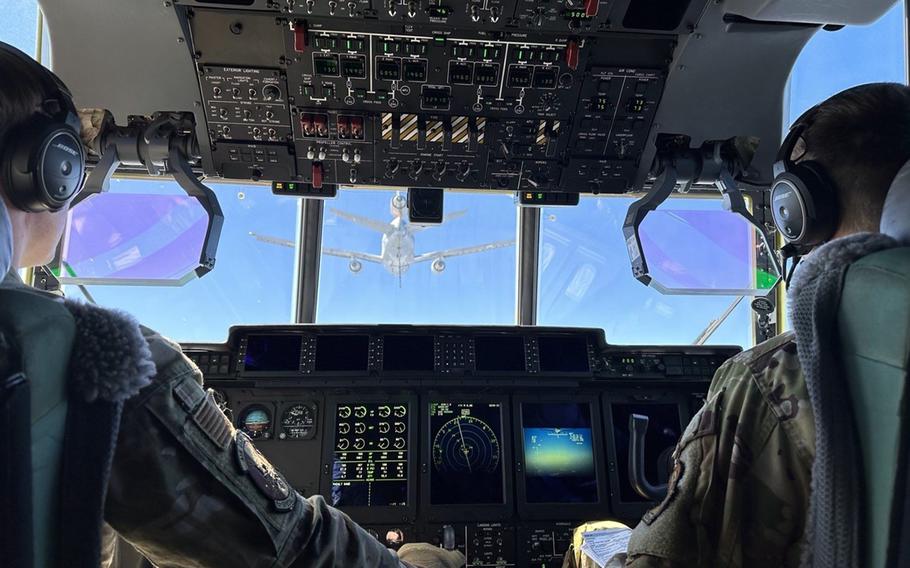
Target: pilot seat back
36, 338
874, 334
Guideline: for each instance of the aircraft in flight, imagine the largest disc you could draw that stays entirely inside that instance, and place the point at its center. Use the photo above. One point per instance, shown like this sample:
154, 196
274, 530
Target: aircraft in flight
397, 251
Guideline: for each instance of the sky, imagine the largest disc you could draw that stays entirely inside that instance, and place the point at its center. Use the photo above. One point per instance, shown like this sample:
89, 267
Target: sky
585, 279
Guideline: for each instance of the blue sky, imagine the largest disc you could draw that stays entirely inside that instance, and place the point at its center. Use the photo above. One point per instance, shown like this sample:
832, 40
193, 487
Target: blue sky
586, 280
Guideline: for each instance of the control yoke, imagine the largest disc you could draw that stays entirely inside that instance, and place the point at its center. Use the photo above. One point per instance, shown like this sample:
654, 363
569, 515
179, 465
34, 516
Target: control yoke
716, 163
164, 143
638, 427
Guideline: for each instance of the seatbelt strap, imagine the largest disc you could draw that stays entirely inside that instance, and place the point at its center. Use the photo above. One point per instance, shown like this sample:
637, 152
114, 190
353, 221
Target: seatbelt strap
88, 452
899, 539
15, 461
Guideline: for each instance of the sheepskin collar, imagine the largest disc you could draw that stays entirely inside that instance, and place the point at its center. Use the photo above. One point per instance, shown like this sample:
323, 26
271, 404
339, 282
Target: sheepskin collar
110, 360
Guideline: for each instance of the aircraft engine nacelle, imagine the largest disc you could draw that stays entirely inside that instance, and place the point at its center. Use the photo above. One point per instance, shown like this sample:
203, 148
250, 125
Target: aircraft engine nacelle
438, 265
355, 266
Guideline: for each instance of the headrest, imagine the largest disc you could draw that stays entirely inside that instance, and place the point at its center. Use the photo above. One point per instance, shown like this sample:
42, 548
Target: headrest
896, 213
6, 241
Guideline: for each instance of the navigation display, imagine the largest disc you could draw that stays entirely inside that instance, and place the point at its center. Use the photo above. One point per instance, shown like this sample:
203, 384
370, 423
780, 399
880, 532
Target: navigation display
272, 353
466, 453
370, 456
559, 453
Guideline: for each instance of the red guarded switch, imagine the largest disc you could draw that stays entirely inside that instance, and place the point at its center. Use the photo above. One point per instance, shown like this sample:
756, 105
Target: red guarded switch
317, 175
572, 54
357, 127
591, 7
301, 41
306, 124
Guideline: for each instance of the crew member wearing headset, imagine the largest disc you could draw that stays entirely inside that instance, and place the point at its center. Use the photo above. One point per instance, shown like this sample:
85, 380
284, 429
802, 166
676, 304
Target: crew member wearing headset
739, 487
132, 441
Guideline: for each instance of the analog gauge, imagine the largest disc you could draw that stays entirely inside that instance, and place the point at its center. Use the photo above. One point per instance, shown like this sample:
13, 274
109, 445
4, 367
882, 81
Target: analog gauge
400, 411
360, 428
360, 411
400, 443
344, 412
344, 428
343, 444
298, 423
359, 444
385, 411
384, 427
466, 444
221, 401
400, 427
383, 443
256, 422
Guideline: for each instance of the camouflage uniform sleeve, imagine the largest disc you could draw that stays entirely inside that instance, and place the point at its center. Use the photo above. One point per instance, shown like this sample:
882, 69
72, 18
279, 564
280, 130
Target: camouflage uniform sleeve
189, 490
739, 488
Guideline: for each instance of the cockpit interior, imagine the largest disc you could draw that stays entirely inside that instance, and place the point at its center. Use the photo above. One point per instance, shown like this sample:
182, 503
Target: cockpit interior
465, 268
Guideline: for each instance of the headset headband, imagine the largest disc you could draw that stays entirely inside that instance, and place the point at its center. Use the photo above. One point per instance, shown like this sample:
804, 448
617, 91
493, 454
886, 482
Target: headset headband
56, 93
783, 162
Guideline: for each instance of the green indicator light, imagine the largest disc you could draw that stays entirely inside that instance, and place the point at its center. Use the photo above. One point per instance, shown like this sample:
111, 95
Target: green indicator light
539, 196
439, 39
292, 186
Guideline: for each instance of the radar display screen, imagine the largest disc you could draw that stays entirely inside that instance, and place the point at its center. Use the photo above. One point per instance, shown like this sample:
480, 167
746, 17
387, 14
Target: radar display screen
272, 353
563, 354
499, 353
664, 430
370, 456
466, 453
342, 353
559, 453
408, 353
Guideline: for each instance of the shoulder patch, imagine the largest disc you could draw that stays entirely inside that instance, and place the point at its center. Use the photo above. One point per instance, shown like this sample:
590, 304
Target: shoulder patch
265, 477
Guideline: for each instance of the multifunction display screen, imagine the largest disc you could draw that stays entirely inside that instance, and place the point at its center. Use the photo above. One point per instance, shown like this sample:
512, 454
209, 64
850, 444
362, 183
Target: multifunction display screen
370, 456
559, 453
342, 353
499, 353
563, 354
408, 353
272, 353
466, 452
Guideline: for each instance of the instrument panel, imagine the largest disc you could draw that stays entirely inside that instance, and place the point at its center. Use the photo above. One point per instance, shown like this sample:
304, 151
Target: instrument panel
510, 436
496, 95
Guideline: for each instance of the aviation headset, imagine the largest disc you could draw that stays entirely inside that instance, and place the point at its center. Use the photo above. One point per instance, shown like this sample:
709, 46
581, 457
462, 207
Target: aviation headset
803, 197
42, 160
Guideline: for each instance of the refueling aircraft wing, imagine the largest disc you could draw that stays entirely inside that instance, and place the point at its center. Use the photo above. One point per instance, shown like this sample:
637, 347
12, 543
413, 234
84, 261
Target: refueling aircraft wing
273, 240
415, 228
461, 251
372, 224
352, 254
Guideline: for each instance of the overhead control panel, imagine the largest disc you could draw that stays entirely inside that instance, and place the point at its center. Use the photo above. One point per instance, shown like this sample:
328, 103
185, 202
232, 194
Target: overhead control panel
495, 95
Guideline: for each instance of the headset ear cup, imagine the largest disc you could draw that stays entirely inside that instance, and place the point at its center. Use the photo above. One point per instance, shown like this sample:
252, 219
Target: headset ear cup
803, 204
45, 165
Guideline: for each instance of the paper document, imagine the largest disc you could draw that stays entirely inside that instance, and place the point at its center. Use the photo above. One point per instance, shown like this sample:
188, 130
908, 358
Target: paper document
601, 545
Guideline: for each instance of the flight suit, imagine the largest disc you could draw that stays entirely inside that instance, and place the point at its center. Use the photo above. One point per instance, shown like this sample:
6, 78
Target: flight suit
739, 489
187, 489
